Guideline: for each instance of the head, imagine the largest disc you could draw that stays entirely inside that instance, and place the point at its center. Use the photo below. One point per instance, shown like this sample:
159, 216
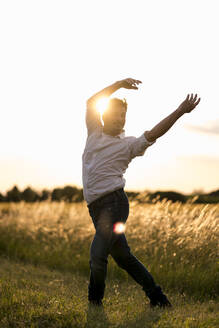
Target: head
114, 117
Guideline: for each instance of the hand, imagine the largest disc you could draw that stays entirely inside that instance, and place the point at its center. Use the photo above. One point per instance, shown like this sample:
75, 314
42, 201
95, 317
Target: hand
189, 103
129, 83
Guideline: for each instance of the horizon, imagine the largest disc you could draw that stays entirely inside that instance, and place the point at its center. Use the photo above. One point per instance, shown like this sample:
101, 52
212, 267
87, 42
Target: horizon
50, 189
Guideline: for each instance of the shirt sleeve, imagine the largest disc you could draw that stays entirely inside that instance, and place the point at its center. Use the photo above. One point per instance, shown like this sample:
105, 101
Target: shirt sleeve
93, 119
139, 145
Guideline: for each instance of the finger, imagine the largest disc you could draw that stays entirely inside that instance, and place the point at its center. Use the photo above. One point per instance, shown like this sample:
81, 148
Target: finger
197, 102
131, 80
133, 84
187, 98
191, 97
195, 97
134, 81
130, 85
137, 81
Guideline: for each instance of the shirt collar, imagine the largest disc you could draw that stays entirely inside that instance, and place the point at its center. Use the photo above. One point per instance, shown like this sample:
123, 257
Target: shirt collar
122, 134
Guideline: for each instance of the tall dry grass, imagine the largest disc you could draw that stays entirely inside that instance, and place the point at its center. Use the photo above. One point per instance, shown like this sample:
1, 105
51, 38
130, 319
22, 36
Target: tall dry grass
177, 242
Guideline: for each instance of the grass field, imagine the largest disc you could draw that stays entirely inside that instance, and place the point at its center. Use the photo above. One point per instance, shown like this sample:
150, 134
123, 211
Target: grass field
44, 271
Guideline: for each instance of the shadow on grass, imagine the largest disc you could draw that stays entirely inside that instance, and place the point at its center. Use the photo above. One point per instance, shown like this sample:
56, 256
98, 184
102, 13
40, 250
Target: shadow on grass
96, 317
144, 319
66, 320
47, 320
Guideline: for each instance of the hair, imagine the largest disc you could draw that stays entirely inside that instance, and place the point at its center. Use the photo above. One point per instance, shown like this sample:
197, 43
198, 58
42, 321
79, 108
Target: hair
115, 102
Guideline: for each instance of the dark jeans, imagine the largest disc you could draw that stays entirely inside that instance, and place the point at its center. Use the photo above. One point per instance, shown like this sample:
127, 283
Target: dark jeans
105, 212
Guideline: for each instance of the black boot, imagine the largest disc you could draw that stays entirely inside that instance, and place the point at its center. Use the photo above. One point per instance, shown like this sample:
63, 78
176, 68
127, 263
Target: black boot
157, 298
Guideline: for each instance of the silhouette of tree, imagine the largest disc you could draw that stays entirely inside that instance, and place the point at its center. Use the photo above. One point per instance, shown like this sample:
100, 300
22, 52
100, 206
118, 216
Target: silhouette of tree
45, 195
78, 197
2, 198
56, 194
29, 195
13, 195
68, 193
214, 193
132, 195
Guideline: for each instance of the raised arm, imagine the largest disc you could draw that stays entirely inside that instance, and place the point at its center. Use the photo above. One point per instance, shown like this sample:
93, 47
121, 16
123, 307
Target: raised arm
161, 128
92, 115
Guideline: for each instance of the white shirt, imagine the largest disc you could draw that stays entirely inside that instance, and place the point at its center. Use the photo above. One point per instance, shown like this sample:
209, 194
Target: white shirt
106, 158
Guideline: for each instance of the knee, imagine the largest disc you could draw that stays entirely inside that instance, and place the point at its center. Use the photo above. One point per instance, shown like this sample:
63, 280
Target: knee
97, 263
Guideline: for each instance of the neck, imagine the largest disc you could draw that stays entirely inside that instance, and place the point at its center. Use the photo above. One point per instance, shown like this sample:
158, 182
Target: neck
110, 132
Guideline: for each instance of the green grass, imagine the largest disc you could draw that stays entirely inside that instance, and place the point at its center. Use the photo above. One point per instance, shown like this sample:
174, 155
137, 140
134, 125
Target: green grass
44, 268
34, 296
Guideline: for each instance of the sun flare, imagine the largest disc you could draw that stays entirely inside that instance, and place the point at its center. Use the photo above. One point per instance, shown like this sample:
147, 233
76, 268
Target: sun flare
119, 227
102, 104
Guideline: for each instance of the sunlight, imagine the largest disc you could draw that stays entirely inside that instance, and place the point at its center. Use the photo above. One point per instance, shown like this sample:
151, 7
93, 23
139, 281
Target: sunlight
102, 104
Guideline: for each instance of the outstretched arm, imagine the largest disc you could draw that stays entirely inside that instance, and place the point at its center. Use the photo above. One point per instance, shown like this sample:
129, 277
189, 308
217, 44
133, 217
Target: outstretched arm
106, 92
92, 115
161, 128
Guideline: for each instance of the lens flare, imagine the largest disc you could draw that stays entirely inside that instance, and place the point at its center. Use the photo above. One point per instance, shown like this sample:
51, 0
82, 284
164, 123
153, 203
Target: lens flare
102, 104
119, 227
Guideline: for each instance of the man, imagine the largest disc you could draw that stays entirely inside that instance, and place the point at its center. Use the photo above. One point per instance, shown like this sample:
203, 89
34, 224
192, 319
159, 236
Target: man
106, 157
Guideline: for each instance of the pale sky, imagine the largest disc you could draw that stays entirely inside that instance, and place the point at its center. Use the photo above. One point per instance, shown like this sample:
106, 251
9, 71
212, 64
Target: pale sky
56, 54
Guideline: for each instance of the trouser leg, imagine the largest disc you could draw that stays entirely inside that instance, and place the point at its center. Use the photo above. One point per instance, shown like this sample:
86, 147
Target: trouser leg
99, 252
121, 253
98, 268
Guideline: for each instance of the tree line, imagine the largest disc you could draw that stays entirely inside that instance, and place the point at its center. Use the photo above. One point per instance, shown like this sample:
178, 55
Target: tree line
73, 194
29, 195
